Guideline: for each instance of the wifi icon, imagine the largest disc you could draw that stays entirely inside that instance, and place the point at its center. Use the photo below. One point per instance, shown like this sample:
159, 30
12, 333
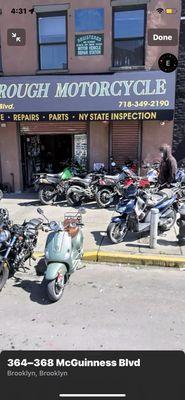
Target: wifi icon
160, 10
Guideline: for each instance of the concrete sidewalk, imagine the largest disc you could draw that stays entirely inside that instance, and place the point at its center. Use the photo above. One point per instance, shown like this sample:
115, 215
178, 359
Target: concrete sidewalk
96, 244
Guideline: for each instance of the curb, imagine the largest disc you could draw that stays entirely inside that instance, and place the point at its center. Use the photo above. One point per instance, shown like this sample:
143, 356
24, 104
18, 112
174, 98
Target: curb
135, 259
142, 259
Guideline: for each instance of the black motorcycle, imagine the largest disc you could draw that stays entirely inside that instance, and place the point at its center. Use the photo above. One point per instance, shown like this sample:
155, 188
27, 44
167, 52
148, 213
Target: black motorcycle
82, 189
17, 243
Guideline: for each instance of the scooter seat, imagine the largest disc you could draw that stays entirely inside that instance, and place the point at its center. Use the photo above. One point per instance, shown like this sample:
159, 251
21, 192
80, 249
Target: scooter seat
157, 202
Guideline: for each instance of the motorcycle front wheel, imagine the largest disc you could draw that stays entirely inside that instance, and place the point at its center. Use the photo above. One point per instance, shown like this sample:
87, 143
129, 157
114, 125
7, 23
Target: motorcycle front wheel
73, 197
55, 288
104, 197
117, 231
165, 224
4, 274
47, 194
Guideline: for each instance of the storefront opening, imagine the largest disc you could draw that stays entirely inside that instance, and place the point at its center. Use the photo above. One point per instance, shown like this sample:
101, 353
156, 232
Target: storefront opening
51, 153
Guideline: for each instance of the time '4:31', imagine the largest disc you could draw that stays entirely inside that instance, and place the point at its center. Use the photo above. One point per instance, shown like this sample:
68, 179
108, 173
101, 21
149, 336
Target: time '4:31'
18, 11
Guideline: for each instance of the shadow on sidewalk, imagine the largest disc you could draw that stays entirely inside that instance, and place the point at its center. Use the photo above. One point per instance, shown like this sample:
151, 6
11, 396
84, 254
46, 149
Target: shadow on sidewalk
35, 288
30, 203
163, 242
99, 237
131, 237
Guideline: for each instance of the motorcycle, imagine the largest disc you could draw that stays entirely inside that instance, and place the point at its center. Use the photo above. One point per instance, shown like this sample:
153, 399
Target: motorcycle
5, 221
113, 186
82, 189
17, 243
135, 212
63, 252
52, 186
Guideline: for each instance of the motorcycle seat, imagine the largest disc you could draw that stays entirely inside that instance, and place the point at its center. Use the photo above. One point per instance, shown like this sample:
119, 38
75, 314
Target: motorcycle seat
113, 177
82, 180
53, 175
33, 224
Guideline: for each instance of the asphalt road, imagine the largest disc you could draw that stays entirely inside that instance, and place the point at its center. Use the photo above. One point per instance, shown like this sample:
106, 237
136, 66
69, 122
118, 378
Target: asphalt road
103, 307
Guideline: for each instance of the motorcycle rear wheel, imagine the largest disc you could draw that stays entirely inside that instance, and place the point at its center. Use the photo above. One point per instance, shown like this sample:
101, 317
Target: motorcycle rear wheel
169, 222
4, 274
73, 197
104, 198
55, 289
47, 194
116, 232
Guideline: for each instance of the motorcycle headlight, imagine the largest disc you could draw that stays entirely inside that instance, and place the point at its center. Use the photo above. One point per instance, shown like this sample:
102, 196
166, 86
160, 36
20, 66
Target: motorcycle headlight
121, 209
4, 236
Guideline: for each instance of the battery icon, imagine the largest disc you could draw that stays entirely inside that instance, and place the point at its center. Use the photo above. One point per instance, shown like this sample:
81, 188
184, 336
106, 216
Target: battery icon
170, 11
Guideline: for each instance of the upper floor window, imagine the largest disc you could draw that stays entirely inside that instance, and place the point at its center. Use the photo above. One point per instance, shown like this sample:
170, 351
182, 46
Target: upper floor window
52, 41
89, 20
128, 37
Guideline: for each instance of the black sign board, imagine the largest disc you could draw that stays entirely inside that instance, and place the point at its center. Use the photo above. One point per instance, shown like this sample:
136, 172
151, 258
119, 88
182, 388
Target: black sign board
92, 375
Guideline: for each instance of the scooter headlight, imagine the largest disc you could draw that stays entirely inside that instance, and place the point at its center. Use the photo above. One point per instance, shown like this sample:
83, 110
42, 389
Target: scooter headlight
54, 226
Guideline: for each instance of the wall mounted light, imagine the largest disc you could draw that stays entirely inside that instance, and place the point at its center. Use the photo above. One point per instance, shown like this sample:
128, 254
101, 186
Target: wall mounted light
162, 123
3, 125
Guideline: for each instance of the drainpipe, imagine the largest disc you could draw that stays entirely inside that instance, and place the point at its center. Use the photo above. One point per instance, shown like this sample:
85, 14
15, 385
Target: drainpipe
13, 182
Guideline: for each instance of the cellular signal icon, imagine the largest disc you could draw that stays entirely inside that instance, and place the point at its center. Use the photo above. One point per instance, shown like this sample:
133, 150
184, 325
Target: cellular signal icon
160, 10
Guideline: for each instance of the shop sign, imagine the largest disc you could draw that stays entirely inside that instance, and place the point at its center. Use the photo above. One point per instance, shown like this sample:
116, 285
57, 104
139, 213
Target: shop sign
89, 45
84, 97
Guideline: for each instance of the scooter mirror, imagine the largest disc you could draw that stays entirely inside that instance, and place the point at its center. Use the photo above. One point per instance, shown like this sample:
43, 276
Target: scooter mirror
82, 210
40, 211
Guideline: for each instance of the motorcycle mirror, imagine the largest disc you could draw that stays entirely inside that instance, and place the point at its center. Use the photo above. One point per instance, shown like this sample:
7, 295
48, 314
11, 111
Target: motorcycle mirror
40, 211
82, 210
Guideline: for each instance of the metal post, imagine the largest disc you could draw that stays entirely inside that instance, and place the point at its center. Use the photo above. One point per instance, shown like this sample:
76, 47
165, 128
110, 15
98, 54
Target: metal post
154, 227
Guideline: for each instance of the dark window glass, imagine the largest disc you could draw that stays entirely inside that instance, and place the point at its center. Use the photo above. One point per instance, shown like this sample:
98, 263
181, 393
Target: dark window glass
128, 42
128, 53
89, 19
1, 67
52, 42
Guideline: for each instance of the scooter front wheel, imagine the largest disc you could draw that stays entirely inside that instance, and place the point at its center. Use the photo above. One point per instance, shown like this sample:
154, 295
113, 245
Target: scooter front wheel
117, 231
55, 288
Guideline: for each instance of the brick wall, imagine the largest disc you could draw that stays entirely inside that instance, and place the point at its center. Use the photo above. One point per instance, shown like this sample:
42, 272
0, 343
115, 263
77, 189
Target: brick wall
179, 126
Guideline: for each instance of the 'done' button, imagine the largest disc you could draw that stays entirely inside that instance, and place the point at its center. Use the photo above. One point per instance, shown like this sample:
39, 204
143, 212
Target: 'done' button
162, 37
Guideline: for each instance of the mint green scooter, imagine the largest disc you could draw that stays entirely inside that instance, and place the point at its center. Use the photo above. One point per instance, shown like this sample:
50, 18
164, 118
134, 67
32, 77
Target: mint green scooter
63, 252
